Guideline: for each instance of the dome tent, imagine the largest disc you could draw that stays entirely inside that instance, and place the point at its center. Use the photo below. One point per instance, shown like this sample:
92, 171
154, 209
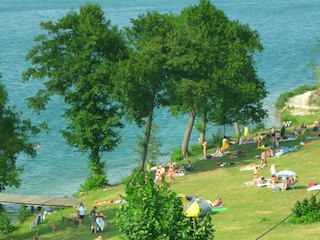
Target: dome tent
198, 207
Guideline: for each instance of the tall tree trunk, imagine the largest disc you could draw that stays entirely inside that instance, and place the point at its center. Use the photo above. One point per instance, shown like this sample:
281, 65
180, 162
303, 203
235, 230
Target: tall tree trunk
202, 136
237, 128
186, 139
146, 141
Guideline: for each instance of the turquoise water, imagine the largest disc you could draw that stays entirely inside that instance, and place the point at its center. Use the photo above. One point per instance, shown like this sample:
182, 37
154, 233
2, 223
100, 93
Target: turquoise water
287, 30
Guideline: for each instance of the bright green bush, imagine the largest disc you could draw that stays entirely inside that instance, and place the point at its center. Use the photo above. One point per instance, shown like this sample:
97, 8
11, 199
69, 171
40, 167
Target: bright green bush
23, 213
153, 211
176, 155
307, 211
5, 225
287, 116
94, 183
195, 150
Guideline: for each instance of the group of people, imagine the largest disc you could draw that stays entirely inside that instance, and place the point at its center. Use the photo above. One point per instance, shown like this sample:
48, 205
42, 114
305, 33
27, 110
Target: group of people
284, 183
299, 131
220, 151
171, 171
98, 221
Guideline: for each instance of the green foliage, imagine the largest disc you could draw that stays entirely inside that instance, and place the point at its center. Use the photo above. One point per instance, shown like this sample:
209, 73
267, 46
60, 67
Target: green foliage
95, 182
5, 225
258, 127
176, 155
14, 139
287, 116
216, 139
307, 211
283, 99
75, 58
195, 150
153, 147
23, 213
199, 228
153, 211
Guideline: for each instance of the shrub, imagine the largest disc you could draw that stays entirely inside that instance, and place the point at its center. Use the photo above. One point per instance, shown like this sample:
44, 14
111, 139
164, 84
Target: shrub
23, 213
94, 183
176, 155
5, 225
307, 211
286, 116
195, 149
153, 211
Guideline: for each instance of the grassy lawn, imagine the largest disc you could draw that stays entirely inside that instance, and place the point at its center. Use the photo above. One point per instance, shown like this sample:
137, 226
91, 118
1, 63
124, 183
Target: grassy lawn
252, 211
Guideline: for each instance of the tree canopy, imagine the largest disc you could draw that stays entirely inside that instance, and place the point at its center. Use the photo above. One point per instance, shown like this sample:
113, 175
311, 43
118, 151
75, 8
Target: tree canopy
197, 62
142, 79
15, 136
212, 69
74, 59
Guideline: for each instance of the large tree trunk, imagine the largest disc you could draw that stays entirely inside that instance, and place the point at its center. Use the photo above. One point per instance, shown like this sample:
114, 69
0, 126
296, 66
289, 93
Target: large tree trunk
237, 128
186, 139
146, 141
202, 136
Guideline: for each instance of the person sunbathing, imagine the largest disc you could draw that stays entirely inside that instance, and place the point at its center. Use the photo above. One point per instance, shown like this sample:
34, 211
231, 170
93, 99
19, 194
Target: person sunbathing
216, 203
189, 166
97, 202
261, 180
288, 183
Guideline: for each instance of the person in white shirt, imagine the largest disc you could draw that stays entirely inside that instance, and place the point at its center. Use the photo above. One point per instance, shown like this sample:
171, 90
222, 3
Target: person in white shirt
82, 212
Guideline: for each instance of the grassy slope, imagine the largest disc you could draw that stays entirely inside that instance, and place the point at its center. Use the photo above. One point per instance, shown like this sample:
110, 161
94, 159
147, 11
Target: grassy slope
251, 211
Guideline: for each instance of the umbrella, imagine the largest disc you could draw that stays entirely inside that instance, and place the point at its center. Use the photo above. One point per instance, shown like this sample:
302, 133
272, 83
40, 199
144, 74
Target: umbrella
286, 173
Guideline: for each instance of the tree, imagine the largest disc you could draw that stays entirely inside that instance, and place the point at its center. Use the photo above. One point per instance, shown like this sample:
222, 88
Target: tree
142, 79
153, 211
75, 59
154, 145
195, 63
242, 91
212, 70
14, 139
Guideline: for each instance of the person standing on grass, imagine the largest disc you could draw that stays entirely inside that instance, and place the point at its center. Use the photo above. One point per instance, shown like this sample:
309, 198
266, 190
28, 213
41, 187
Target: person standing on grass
171, 172
82, 212
315, 129
205, 146
94, 215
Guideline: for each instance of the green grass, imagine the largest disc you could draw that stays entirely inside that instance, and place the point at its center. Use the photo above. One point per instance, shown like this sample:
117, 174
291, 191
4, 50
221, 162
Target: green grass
251, 211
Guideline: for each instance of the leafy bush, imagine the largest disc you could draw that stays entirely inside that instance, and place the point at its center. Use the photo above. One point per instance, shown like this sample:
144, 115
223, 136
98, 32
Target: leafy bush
5, 225
216, 139
153, 211
94, 183
259, 127
23, 213
195, 150
307, 211
176, 155
286, 116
